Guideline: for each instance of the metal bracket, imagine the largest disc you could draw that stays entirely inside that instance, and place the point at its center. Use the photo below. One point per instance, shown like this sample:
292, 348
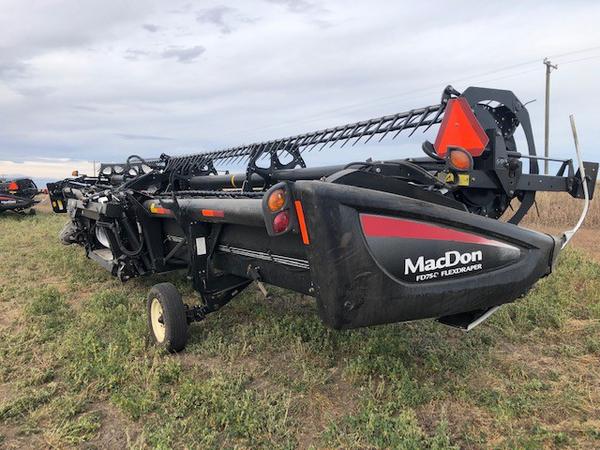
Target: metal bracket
468, 320
275, 162
254, 273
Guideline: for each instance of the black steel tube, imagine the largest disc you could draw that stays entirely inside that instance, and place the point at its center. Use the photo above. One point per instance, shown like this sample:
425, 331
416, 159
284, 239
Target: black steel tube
237, 180
231, 181
240, 211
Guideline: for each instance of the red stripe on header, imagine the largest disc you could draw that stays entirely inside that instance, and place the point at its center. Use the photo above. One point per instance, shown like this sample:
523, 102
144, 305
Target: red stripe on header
381, 226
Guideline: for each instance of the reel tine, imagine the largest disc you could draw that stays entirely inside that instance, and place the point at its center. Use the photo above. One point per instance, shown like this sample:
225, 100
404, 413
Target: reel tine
236, 159
366, 128
324, 144
423, 117
376, 130
408, 118
390, 126
235, 155
337, 135
321, 137
270, 149
350, 135
304, 138
315, 138
435, 119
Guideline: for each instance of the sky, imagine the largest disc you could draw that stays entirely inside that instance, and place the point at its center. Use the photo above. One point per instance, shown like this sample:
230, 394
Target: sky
99, 80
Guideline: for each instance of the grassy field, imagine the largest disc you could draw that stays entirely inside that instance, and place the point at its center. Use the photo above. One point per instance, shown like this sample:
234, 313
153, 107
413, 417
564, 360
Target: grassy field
77, 370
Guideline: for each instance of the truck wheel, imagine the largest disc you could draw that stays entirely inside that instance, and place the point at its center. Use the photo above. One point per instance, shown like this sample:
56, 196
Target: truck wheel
166, 317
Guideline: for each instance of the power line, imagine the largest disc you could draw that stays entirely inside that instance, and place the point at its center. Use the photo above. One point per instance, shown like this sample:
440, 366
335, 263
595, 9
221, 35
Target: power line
584, 50
579, 59
465, 78
430, 89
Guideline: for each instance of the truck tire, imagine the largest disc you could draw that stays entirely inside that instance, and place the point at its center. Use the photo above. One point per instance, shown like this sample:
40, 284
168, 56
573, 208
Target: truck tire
167, 320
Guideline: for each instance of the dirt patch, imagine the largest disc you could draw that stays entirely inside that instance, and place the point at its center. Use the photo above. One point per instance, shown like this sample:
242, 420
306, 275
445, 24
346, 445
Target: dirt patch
6, 392
116, 431
462, 418
11, 438
9, 314
328, 403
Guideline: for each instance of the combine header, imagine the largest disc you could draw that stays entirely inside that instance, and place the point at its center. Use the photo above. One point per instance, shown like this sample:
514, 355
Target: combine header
18, 195
373, 241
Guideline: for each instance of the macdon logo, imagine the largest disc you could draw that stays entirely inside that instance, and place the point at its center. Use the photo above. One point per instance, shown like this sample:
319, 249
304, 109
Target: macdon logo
450, 260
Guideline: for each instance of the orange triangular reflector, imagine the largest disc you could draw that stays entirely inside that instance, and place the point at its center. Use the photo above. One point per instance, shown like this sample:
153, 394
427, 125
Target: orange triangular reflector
460, 128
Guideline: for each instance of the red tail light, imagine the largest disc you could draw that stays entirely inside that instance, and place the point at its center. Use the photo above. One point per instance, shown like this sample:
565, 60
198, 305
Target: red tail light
281, 222
13, 186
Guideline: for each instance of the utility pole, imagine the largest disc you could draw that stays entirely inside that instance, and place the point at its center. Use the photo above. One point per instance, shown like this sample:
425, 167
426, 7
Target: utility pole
549, 67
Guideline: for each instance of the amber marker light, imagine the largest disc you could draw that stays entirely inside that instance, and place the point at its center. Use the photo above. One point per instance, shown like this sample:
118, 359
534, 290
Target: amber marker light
460, 159
276, 200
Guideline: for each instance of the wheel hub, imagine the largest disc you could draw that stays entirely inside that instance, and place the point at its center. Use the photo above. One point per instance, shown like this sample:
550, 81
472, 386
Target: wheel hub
157, 320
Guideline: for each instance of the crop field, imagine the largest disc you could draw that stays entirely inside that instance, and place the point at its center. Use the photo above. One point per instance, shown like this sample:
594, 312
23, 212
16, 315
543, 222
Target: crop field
77, 368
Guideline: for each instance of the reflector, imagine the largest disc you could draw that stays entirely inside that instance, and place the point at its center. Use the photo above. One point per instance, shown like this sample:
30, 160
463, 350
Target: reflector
13, 186
302, 222
460, 128
213, 213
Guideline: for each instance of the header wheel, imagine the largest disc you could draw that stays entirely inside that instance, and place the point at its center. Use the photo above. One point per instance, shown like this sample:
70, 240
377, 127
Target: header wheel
166, 317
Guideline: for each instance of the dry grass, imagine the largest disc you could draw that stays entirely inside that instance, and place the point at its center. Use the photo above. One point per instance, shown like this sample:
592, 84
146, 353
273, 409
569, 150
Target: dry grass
559, 209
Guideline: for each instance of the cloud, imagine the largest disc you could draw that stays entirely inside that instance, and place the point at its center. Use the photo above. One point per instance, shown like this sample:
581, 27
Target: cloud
182, 54
12, 70
216, 16
85, 108
224, 18
150, 27
142, 137
314, 12
297, 6
36, 91
135, 55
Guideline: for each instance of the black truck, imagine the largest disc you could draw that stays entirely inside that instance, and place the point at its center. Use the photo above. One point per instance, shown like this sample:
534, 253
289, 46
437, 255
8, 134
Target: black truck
18, 195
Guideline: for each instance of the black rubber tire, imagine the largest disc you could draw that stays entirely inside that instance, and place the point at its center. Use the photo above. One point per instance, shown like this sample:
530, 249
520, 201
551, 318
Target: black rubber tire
173, 316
